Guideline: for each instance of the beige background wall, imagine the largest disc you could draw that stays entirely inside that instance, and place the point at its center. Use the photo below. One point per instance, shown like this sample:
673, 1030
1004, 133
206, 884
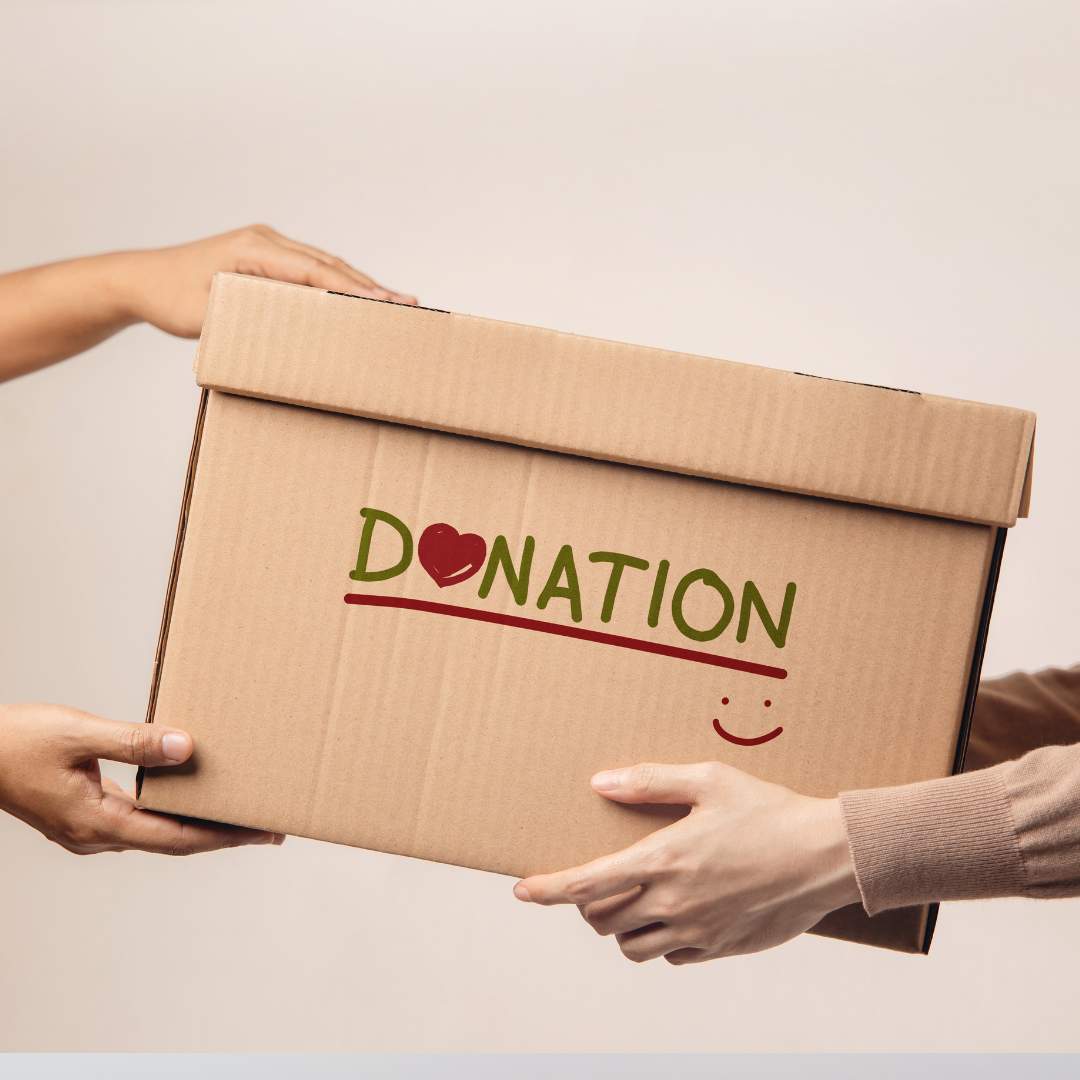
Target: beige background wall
878, 191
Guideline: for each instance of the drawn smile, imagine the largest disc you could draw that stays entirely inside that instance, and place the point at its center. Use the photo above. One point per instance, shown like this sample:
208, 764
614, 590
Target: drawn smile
745, 742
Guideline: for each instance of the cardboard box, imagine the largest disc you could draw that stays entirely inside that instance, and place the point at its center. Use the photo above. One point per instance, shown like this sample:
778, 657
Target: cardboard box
433, 571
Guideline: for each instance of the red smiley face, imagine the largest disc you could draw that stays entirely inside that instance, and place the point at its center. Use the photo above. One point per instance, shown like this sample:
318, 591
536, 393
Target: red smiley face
745, 742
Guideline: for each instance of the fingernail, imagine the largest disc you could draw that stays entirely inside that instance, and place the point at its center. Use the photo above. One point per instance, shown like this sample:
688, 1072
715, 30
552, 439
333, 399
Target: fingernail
279, 839
522, 893
174, 747
264, 838
605, 781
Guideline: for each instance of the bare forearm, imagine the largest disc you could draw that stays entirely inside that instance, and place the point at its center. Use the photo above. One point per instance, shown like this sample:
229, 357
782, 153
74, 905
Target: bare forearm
48, 313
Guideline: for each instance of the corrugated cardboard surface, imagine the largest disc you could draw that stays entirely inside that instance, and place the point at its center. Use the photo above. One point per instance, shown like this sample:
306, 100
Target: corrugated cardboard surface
448, 712
602, 399
432, 735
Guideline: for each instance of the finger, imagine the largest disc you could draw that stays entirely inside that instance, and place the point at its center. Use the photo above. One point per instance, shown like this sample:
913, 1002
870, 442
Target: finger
682, 784
649, 942
348, 269
271, 245
330, 260
337, 264
287, 264
688, 956
144, 830
371, 287
113, 788
609, 876
623, 914
90, 736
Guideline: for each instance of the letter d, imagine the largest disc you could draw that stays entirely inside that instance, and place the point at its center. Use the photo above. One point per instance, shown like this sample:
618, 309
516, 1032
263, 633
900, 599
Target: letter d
362, 573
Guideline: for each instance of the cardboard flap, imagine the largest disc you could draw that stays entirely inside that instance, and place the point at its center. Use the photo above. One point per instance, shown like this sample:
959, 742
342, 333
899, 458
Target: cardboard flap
1025, 496
631, 404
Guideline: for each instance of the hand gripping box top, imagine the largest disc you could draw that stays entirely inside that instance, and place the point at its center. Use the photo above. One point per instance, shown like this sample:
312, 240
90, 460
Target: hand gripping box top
433, 571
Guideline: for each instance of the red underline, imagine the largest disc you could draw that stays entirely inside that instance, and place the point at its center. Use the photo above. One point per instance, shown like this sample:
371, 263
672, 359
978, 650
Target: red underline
366, 600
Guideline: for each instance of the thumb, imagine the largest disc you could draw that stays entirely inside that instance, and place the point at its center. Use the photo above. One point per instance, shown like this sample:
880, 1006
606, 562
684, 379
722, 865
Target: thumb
136, 744
680, 784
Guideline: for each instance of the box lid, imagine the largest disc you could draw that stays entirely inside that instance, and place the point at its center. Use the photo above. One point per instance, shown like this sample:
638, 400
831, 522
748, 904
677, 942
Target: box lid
626, 403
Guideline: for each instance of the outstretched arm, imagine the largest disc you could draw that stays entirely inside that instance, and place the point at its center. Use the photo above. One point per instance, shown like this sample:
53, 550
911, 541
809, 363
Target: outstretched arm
48, 313
49, 772
755, 864
50, 777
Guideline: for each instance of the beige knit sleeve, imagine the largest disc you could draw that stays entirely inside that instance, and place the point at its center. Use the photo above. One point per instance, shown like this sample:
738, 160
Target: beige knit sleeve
1008, 830
1023, 712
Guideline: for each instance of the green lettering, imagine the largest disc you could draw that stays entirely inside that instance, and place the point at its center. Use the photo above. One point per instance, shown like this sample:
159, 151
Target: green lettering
518, 581
658, 591
752, 598
564, 563
362, 573
617, 563
706, 577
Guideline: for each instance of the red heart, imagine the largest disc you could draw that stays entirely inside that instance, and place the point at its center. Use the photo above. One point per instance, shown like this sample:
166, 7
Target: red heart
450, 557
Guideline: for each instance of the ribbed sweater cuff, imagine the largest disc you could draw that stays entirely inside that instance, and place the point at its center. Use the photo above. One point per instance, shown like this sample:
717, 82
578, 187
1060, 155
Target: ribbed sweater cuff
951, 839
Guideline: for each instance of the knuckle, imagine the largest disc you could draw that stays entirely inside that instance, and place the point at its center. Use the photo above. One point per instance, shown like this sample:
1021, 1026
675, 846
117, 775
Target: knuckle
598, 922
697, 933
181, 845
712, 772
178, 847
662, 861
579, 891
134, 743
644, 777
254, 236
683, 955
665, 909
